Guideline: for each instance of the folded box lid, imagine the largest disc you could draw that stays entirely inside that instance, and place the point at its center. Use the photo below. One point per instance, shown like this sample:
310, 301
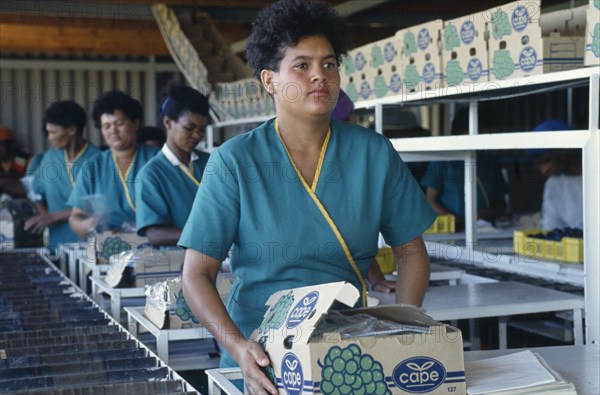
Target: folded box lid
297, 311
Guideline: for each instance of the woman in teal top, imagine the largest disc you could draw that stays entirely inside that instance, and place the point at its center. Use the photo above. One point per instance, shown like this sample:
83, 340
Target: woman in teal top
167, 184
302, 199
104, 190
55, 175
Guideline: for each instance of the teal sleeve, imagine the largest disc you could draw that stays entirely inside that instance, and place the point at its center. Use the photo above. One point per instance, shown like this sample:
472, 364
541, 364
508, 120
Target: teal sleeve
406, 213
212, 225
152, 207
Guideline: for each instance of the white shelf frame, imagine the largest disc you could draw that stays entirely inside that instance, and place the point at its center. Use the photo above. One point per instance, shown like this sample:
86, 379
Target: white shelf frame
464, 148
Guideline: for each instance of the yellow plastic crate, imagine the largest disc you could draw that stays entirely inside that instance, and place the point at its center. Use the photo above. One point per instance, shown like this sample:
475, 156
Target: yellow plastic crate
445, 223
569, 249
386, 260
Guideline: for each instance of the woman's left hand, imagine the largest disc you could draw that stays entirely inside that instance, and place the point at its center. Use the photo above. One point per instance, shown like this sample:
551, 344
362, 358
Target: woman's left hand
36, 225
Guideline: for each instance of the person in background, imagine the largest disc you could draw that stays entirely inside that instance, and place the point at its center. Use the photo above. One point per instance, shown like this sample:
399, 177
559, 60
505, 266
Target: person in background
301, 198
562, 202
152, 135
167, 184
104, 192
14, 163
444, 182
54, 179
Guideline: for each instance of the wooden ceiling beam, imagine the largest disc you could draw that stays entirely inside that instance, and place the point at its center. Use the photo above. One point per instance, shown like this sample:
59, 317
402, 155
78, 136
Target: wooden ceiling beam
29, 33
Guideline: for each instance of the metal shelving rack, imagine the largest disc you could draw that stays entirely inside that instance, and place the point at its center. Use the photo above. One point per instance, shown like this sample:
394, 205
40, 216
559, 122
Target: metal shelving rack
464, 148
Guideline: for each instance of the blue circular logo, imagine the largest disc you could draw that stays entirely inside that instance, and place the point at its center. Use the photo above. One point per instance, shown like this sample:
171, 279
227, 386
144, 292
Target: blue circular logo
302, 309
520, 18
467, 32
474, 69
360, 61
428, 72
528, 59
395, 83
389, 52
423, 39
365, 89
291, 374
418, 375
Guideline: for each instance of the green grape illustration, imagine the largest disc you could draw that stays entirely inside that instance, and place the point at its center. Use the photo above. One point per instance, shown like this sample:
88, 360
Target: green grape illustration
349, 65
451, 39
503, 64
597, 4
500, 24
114, 245
376, 56
351, 91
183, 310
596, 40
277, 313
410, 44
411, 77
347, 371
454, 74
381, 87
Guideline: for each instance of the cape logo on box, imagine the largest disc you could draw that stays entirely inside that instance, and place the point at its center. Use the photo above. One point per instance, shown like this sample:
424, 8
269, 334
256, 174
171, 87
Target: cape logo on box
428, 73
302, 309
419, 374
291, 374
389, 52
467, 32
520, 18
528, 59
474, 69
360, 61
423, 39
395, 83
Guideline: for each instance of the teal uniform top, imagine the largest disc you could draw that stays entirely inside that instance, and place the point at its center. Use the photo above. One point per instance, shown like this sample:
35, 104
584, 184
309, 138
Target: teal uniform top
98, 188
54, 180
251, 197
164, 192
448, 178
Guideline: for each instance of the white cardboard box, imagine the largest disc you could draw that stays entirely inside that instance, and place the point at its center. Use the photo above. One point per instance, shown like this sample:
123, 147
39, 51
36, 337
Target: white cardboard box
465, 50
421, 56
384, 71
166, 306
592, 34
515, 44
301, 363
563, 33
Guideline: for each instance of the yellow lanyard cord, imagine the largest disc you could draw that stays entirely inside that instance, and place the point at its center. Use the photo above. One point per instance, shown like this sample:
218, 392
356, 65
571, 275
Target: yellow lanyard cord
69, 164
484, 193
311, 192
190, 172
123, 179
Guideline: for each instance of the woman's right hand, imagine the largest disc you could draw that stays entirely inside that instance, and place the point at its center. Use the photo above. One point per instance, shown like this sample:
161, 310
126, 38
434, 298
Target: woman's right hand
252, 358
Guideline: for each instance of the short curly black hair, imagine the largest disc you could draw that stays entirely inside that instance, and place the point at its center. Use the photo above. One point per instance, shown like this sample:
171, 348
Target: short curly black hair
111, 101
284, 23
65, 113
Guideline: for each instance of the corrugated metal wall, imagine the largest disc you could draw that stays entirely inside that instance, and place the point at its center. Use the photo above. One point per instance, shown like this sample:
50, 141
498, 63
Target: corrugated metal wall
27, 87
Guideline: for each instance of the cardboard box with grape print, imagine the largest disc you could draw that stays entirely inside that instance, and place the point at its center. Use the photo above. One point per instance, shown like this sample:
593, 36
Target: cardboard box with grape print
310, 355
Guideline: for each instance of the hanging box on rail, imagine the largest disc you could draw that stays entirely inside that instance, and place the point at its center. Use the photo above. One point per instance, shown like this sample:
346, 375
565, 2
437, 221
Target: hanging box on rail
306, 362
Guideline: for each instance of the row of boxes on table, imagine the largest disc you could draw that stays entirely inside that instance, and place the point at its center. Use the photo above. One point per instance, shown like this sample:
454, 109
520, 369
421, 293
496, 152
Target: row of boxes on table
568, 249
245, 98
496, 44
